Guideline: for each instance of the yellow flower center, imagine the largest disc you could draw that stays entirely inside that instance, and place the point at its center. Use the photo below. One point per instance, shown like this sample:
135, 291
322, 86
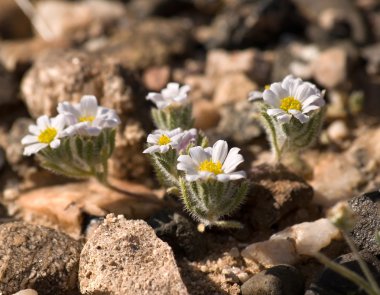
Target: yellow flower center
290, 103
163, 140
210, 166
266, 87
86, 119
48, 135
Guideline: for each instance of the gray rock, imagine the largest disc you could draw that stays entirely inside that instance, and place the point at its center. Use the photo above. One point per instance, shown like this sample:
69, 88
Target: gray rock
274, 193
180, 233
367, 208
332, 283
125, 257
243, 23
277, 280
331, 20
39, 258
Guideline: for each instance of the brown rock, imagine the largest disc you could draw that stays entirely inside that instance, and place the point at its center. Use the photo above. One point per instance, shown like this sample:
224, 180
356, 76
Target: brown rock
232, 88
64, 207
125, 257
14, 23
346, 178
202, 87
20, 54
274, 193
67, 76
206, 114
39, 258
151, 42
330, 68
77, 19
253, 63
156, 78
8, 86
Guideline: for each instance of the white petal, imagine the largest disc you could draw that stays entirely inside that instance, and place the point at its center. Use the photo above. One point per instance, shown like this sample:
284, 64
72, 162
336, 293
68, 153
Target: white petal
301, 117
271, 98
184, 89
34, 148
34, 129
285, 118
290, 84
303, 92
219, 151
58, 122
66, 108
153, 138
314, 100
28, 139
275, 112
277, 89
232, 161
55, 143
186, 164
43, 122
309, 108
255, 95
164, 148
88, 106
231, 176
192, 177
198, 154
151, 149
174, 132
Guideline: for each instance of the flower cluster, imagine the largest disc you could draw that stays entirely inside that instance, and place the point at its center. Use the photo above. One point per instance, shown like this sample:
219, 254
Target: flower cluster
292, 114
77, 142
205, 177
173, 107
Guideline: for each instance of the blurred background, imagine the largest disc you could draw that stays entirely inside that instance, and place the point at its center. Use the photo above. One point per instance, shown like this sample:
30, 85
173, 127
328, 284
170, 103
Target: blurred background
52, 51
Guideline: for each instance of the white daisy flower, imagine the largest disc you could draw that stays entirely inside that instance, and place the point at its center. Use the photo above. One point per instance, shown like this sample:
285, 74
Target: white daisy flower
46, 133
212, 163
162, 140
291, 97
173, 94
87, 118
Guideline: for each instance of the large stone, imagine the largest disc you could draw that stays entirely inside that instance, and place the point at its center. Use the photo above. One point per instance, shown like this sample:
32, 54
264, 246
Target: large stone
77, 19
14, 23
255, 64
330, 282
278, 280
39, 258
271, 252
67, 76
233, 88
333, 20
180, 233
331, 67
289, 245
367, 210
206, 114
133, 46
274, 193
65, 207
125, 257
242, 23
309, 237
